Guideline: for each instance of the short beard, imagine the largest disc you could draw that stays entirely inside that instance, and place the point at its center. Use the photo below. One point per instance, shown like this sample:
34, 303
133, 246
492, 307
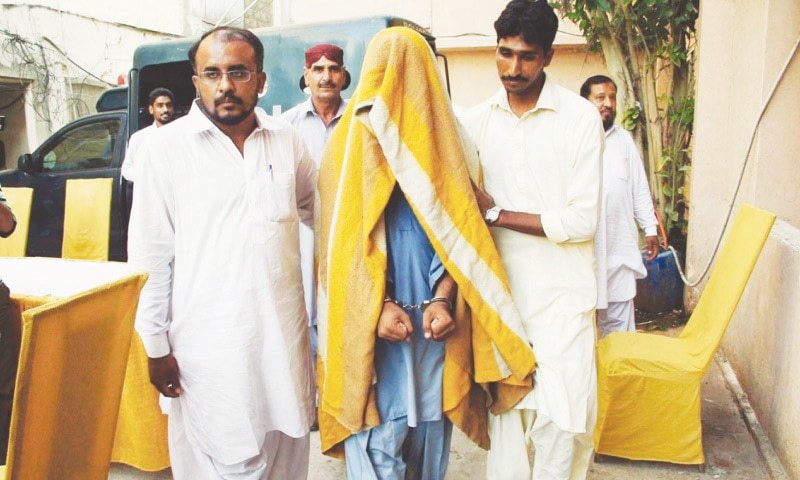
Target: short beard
235, 120
607, 124
229, 121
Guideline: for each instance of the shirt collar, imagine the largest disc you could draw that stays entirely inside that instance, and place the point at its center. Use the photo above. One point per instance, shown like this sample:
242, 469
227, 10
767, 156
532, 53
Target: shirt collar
548, 98
308, 108
612, 130
199, 122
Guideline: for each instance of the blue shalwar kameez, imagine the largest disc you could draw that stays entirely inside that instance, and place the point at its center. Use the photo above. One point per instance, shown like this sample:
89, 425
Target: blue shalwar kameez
413, 440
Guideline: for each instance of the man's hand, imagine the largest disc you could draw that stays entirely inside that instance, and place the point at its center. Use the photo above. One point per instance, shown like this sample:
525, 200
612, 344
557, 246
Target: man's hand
394, 324
437, 322
164, 375
485, 201
652, 247
6, 220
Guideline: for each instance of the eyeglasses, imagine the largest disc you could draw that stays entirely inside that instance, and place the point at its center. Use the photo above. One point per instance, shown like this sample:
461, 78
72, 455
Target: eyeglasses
215, 76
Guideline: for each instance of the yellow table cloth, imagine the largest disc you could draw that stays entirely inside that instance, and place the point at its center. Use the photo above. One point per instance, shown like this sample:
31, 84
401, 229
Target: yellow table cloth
141, 436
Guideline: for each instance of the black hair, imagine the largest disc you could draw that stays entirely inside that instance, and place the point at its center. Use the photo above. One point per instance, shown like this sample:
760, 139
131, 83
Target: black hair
160, 92
231, 34
586, 88
535, 20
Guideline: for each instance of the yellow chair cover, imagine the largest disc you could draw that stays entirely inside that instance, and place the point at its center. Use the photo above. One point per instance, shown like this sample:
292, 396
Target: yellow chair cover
140, 418
20, 200
649, 385
87, 218
71, 369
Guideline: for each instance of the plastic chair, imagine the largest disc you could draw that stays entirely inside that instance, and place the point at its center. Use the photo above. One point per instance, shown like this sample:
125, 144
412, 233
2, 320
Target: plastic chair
20, 200
87, 218
71, 370
649, 385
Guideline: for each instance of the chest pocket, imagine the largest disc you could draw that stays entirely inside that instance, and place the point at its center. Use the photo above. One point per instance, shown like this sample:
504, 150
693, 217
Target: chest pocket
277, 197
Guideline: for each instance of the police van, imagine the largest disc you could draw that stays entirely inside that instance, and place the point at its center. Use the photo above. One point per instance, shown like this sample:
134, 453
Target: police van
94, 146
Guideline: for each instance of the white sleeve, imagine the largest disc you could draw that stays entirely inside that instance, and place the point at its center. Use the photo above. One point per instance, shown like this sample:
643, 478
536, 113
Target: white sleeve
640, 192
577, 221
305, 181
128, 164
151, 247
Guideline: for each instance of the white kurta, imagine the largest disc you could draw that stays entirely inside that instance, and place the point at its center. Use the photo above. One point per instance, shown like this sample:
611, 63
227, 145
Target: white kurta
548, 162
315, 133
129, 164
218, 233
626, 198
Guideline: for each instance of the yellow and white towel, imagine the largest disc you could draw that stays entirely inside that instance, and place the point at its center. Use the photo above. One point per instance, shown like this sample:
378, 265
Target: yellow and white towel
399, 128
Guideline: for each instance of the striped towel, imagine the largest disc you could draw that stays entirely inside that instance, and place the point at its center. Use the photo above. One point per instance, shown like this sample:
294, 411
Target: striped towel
399, 128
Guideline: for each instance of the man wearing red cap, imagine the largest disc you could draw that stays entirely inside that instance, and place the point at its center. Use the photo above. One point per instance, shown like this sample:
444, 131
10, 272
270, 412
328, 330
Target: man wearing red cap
325, 77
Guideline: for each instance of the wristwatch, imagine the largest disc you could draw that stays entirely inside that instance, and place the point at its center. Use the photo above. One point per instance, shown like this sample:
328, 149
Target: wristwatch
492, 214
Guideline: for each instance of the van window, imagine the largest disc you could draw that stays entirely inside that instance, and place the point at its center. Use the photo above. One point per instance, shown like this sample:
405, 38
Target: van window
85, 147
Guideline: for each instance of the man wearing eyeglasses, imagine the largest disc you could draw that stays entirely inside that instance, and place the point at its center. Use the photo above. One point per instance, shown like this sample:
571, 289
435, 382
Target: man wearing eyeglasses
222, 316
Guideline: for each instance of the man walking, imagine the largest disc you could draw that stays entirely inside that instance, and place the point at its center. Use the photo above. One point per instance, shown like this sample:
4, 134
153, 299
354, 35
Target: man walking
540, 148
626, 201
161, 105
325, 76
222, 317
403, 250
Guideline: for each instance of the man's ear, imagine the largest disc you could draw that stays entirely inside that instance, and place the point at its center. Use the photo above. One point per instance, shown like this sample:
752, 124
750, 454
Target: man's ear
262, 83
548, 57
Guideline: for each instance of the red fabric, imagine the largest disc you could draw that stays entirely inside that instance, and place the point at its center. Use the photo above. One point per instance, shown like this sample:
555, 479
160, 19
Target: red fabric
331, 52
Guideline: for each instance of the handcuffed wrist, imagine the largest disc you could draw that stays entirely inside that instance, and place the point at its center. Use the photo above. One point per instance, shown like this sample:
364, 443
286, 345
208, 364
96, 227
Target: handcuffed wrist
420, 306
445, 300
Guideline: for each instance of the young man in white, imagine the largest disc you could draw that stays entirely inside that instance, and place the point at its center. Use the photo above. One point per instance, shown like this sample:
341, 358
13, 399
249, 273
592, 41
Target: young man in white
626, 201
220, 193
540, 148
161, 105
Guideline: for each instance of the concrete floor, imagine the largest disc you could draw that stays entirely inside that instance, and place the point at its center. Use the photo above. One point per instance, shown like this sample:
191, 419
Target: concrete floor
731, 452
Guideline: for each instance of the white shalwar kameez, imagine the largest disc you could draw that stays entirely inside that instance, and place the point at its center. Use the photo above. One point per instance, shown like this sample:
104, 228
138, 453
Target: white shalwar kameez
626, 198
218, 233
128, 169
547, 161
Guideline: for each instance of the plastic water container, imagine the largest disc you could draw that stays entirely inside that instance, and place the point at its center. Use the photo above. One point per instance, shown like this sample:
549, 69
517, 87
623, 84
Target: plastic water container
662, 290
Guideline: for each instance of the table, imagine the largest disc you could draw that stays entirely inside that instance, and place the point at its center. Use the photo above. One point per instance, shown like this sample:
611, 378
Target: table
141, 436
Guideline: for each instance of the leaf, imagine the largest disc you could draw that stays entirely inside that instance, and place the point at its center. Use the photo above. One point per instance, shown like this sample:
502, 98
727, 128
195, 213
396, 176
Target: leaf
603, 5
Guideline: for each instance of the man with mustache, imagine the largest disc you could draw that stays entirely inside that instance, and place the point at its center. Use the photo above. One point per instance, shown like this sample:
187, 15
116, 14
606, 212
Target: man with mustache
220, 193
325, 76
161, 103
540, 148
626, 201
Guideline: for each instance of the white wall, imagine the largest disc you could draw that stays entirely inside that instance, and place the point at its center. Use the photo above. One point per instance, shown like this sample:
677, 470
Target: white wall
742, 47
464, 31
79, 48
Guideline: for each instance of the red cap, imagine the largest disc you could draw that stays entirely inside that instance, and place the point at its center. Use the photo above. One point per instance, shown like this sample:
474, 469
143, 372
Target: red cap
331, 52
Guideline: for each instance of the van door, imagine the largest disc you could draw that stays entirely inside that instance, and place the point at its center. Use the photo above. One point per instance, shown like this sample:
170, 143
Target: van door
87, 148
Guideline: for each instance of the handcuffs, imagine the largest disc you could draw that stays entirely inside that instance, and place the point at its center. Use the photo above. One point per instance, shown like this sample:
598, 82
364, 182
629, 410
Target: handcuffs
420, 306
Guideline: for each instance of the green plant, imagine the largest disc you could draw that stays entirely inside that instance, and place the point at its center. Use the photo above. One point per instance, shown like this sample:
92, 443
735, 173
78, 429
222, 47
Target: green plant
648, 46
